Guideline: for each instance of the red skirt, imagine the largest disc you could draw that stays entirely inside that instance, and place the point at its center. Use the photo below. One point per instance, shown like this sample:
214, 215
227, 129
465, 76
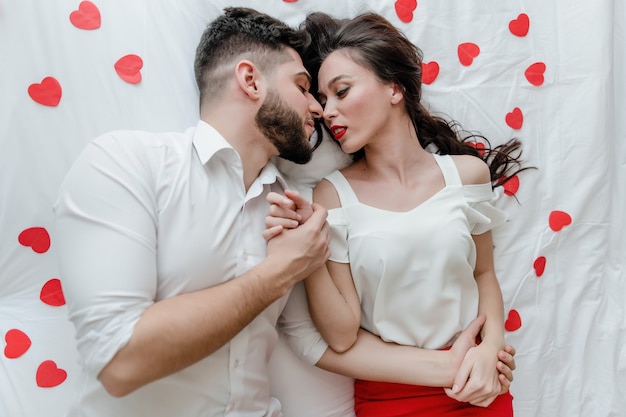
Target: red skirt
383, 399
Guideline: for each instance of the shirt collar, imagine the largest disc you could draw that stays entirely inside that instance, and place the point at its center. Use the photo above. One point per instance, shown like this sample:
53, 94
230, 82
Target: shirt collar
208, 141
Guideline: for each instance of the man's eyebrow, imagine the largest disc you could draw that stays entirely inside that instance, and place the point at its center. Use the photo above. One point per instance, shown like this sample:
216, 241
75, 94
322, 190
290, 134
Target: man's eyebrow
305, 74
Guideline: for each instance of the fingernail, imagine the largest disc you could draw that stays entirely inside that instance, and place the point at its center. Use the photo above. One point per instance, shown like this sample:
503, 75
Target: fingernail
455, 388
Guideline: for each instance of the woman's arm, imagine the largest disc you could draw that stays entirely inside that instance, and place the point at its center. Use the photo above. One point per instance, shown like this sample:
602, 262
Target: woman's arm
333, 300
479, 365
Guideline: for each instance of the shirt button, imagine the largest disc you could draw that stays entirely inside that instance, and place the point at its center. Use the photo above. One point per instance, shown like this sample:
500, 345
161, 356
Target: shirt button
236, 364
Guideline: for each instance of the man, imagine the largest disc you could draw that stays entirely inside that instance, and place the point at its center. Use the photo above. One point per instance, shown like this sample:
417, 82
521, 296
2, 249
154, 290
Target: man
159, 237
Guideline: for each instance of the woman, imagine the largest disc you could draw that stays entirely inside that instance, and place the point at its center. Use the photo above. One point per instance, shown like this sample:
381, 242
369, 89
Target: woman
412, 257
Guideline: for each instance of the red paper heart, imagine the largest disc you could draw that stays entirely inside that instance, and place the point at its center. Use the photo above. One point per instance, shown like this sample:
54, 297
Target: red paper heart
515, 119
519, 27
52, 293
49, 375
17, 343
479, 146
539, 265
511, 186
430, 71
467, 52
290, 1
405, 9
534, 73
48, 92
513, 321
86, 17
558, 220
35, 237
128, 66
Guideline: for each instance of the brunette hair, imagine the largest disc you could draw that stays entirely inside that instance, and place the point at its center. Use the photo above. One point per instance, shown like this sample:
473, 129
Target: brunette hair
242, 33
376, 44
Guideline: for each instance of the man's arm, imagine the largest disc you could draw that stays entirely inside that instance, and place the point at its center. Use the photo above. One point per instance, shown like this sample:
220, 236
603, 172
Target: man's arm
108, 264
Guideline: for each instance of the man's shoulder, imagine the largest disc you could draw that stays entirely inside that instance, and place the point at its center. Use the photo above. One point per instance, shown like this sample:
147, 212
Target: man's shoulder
142, 139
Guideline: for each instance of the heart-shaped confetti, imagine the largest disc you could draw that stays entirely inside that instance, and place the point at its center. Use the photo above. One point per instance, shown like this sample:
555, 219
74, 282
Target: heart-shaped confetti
515, 118
513, 321
49, 375
430, 71
87, 16
480, 146
52, 294
128, 68
539, 265
511, 185
467, 52
519, 27
558, 220
405, 9
534, 73
18, 343
47, 93
35, 237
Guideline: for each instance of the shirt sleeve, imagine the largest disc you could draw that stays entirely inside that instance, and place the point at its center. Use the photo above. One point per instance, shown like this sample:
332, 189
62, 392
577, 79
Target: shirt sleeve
105, 237
482, 215
338, 229
297, 325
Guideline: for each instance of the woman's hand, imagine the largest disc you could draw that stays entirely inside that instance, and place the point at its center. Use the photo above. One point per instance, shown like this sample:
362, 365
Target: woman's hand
286, 212
481, 377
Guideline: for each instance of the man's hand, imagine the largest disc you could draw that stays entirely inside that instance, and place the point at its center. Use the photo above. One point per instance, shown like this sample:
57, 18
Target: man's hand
286, 212
300, 251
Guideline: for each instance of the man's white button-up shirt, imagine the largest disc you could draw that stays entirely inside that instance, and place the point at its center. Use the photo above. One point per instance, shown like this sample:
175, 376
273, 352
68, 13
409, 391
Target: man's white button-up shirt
142, 217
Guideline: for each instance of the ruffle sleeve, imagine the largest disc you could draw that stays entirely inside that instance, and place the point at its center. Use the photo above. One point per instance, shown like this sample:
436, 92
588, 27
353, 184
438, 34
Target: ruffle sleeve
338, 230
482, 215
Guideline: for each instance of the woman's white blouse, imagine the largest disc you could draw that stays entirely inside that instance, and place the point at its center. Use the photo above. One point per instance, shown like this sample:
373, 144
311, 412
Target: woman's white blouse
413, 270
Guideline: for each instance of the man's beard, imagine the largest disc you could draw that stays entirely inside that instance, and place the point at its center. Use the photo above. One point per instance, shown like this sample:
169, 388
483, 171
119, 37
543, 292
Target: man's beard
282, 126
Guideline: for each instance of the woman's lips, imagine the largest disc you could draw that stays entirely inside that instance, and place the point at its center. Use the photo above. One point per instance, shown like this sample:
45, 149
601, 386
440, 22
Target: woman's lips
338, 131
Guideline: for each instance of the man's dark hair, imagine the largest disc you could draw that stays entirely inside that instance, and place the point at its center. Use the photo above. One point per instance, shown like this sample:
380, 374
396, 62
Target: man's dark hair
242, 33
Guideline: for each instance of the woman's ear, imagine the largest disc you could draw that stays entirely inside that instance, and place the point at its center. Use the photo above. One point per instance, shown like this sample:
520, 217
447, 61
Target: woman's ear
248, 77
397, 93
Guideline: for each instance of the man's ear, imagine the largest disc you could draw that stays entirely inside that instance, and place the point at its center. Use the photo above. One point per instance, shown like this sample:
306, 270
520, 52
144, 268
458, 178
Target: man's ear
248, 77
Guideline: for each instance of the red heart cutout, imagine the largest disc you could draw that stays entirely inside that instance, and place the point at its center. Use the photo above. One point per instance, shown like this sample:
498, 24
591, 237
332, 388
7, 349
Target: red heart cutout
534, 73
86, 17
467, 52
515, 119
290, 1
52, 293
17, 343
539, 265
510, 185
48, 92
430, 71
479, 146
405, 9
49, 375
35, 237
558, 220
127, 67
513, 321
519, 27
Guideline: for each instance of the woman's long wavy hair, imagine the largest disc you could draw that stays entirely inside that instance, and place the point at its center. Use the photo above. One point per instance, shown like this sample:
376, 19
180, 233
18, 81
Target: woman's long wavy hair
374, 43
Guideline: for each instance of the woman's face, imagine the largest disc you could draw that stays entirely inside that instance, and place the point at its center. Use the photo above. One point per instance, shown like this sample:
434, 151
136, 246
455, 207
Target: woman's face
356, 103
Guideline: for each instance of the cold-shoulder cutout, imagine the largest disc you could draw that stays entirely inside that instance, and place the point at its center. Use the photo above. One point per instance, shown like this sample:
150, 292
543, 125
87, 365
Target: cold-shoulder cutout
325, 194
472, 170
